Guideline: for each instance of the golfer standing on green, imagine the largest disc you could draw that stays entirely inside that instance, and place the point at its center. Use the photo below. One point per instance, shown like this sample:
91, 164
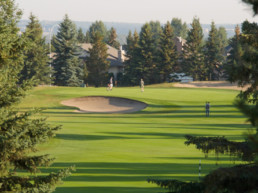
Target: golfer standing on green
111, 83
207, 107
142, 85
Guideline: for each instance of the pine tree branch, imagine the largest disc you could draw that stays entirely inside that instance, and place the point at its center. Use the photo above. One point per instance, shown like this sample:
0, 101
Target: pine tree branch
220, 145
33, 184
237, 179
175, 186
254, 4
32, 163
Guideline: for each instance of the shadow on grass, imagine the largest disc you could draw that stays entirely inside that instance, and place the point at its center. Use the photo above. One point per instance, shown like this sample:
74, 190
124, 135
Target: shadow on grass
108, 189
120, 135
135, 171
88, 137
131, 172
154, 135
107, 173
171, 111
151, 115
209, 158
135, 135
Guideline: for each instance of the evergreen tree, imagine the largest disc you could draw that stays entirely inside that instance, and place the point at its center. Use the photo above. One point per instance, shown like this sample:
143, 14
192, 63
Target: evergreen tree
97, 63
20, 134
214, 55
36, 59
112, 38
180, 29
68, 69
168, 53
223, 43
99, 27
80, 36
132, 65
147, 63
222, 33
157, 32
242, 61
87, 37
235, 57
193, 56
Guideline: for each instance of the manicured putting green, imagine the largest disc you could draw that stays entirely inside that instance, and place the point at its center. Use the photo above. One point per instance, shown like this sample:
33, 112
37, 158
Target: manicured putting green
116, 153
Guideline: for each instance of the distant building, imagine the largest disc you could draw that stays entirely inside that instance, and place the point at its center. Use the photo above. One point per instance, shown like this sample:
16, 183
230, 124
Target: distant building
180, 42
115, 56
228, 49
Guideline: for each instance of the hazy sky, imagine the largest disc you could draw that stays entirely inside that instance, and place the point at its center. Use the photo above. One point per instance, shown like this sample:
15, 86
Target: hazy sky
139, 11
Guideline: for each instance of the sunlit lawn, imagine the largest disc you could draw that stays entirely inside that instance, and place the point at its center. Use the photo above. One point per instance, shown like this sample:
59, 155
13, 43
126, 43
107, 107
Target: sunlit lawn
116, 153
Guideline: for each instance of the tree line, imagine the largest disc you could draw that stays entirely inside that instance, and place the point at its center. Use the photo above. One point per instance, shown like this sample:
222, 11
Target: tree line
64, 67
151, 54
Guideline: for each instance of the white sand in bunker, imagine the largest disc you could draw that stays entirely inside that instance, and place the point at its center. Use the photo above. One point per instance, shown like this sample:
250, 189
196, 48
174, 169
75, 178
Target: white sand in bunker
102, 104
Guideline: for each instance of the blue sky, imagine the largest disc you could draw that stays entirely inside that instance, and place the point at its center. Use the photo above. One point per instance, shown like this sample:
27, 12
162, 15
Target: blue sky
139, 11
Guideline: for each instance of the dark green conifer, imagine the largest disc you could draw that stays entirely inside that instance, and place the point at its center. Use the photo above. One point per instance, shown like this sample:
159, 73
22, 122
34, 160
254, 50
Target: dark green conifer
36, 60
147, 63
67, 66
20, 134
214, 56
132, 65
169, 55
80, 36
87, 37
97, 63
98, 27
180, 28
112, 38
193, 55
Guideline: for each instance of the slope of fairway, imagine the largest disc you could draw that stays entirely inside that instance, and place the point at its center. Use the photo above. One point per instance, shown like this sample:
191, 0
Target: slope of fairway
116, 153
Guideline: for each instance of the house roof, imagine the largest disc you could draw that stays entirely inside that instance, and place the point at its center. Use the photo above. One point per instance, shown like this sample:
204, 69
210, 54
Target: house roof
112, 54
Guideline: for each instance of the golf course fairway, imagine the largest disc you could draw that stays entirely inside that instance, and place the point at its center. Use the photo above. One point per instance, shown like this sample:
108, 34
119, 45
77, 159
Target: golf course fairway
117, 153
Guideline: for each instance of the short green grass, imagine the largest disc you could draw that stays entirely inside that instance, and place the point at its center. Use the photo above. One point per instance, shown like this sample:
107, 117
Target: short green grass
116, 153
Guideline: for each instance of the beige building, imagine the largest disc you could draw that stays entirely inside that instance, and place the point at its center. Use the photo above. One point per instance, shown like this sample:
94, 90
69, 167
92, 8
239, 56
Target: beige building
115, 56
180, 42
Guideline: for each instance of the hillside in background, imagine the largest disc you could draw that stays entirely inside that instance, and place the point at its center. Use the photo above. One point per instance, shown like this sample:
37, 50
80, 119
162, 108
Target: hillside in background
122, 29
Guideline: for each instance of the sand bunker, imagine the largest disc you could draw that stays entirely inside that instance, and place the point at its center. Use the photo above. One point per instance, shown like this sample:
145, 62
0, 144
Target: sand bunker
101, 104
